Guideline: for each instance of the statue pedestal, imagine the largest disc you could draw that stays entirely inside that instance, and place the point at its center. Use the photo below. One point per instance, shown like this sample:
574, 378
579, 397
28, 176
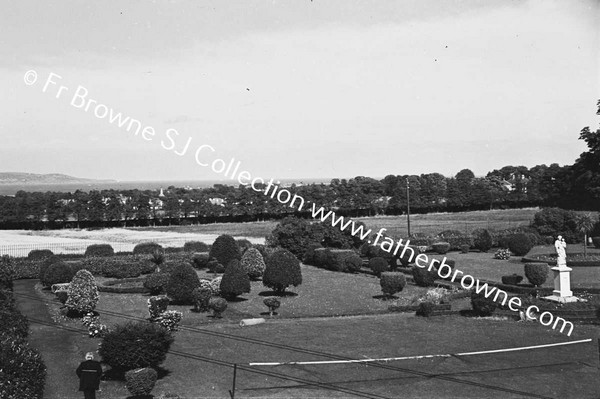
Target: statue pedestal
562, 285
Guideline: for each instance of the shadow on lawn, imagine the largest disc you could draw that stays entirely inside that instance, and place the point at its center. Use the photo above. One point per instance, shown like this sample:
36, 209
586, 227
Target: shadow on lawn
385, 297
274, 293
119, 375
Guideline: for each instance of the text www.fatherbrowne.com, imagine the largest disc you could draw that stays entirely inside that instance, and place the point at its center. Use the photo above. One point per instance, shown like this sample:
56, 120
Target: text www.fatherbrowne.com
204, 156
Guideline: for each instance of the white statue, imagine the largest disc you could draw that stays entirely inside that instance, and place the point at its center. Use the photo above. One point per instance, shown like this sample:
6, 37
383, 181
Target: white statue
561, 250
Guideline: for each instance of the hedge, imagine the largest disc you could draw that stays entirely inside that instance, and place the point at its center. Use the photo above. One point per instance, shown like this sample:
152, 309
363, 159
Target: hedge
146, 248
39, 254
196, 246
99, 250
441, 247
339, 260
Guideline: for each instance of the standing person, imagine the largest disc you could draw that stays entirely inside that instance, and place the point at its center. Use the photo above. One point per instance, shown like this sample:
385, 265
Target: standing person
89, 372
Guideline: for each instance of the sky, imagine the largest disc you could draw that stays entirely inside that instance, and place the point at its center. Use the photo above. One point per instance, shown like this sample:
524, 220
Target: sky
296, 89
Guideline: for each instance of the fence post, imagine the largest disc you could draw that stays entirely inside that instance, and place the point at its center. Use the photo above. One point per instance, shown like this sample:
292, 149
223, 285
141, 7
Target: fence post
232, 392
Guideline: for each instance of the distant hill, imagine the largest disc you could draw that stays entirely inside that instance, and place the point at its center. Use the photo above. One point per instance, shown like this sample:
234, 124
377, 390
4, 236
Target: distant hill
34, 178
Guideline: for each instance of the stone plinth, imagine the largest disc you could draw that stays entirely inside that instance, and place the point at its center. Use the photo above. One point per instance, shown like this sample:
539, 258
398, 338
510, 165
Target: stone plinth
562, 285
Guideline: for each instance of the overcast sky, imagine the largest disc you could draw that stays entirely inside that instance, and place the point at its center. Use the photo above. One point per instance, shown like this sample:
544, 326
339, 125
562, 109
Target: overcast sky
299, 88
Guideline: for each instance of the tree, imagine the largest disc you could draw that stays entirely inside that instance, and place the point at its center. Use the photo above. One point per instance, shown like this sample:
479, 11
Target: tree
253, 263
225, 249
235, 280
585, 223
283, 270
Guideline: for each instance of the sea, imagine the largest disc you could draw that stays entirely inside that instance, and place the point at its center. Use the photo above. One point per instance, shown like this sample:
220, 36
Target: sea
12, 189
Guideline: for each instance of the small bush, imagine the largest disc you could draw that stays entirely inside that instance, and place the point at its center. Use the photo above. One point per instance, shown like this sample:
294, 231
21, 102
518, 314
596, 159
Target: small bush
273, 304
157, 305
425, 309
243, 245
200, 260
482, 306
282, 270
423, 277
195, 246
337, 259
392, 282
235, 280
536, 273
202, 296
353, 263
502, 254
482, 240
215, 267
253, 263
379, 265
309, 255
464, 249
140, 382
182, 282
441, 247
82, 293
218, 306
520, 244
147, 248
99, 250
135, 345
156, 282
225, 249
513, 279
169, 319
215, 286
57, 273
39, 254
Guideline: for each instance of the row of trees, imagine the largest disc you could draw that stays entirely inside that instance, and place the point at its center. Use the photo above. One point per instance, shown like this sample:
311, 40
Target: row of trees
574, 186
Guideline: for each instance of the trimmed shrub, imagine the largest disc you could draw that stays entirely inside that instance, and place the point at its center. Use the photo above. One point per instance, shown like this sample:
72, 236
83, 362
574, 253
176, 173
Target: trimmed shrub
157, 305
170, 320
181, 284
225, 249
482, 306
202, 296
536, 273
425, 309
156, 282
235, 280
353, 263
502, 254
464, 249
441, 247
309, 255
336, 259
82, 293
482, 240
512, 279
243, 245
57, 273
147, 248
200, 260
392, 282
520, 244
140, 382
273, 304
379, 265
135, 345
423, 277
215, 267
195, 246
23, 371
39, 254
99, 250
405, 259
218, 306
282, 271
369, 251
253, 263
119, 269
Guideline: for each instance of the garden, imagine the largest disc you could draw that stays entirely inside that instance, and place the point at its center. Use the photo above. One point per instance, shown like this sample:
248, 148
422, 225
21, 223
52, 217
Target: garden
145, 311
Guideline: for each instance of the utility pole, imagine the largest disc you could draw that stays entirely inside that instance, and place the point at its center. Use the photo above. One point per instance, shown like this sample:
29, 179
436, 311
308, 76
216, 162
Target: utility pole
408, 207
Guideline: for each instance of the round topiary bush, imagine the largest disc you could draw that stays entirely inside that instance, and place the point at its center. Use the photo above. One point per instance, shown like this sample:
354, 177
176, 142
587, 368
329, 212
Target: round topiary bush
39, 254
441, 247
482, 306
513, 279
200, 260
225, 249
392, 282
273, 304
156, 282
82, 294
282, 270
147, 248
57, 273
423, 277
353, 263
195, 246
425, 309
465, 248
218, 306
536, 273
140, 382
519, 244
482, 240
135, 345
235, 280
378, 265
253, 263
181, 284
99, 250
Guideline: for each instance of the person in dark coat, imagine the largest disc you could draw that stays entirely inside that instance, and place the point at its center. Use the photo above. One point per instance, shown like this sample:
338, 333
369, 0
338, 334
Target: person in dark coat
89, 373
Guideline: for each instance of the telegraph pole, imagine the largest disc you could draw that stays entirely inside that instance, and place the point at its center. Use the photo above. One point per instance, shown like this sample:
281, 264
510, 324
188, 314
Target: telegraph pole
408, 206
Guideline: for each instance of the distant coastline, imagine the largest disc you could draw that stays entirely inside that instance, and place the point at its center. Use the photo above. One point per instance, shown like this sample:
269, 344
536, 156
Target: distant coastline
90, 185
